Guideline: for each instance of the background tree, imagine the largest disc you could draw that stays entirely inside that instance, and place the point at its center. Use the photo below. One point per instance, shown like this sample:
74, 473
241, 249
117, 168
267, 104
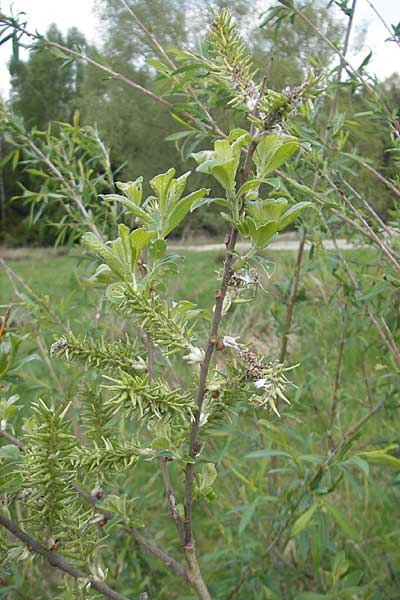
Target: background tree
45, 88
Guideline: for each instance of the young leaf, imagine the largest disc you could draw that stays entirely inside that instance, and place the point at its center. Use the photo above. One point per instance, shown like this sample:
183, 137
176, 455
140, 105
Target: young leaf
290, 215
272, 151
181, 209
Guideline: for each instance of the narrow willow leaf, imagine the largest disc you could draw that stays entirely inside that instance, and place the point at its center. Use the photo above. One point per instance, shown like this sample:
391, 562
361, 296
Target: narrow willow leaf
247, 515
304, 519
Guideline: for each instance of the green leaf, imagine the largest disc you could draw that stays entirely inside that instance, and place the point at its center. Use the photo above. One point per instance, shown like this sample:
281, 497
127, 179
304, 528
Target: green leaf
181, 209
378, 456
130, 205
178, 136
132, 189
160, 185
265, 453
290, 215
269, 209
272, 151
206, 201
138, 240
157, 249
304, 519
93, 243
11, 452
249, 185
358, 462
10, 478
262, 234
208, 475
223, 162
247, 515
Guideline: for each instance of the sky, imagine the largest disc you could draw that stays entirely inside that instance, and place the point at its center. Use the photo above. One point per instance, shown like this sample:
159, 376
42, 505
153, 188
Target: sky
81, 14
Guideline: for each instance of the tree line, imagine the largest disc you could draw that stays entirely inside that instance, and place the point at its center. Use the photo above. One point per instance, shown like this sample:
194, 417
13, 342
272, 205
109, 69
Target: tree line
47, 89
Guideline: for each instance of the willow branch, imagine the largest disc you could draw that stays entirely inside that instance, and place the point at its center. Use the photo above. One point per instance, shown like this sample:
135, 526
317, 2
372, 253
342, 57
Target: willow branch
395, 123
12, 439
58, 561
168, 560
173, 66
388, 341
171, 503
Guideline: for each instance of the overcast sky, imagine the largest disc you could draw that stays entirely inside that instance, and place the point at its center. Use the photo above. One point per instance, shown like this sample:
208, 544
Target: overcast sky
80, 13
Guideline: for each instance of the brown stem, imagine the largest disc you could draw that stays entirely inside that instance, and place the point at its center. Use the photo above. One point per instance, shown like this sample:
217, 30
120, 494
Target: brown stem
58, 561
171, 498
194, 446
12, 439
169, 561
292, 296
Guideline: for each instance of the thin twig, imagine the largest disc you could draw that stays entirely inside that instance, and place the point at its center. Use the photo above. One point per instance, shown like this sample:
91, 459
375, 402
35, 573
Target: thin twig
169, 561
382, 20
364, 227
113, 74
379, 176
395, 123
338, 372
13, 276
173, 66
171, 498
12, 439
391, 346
